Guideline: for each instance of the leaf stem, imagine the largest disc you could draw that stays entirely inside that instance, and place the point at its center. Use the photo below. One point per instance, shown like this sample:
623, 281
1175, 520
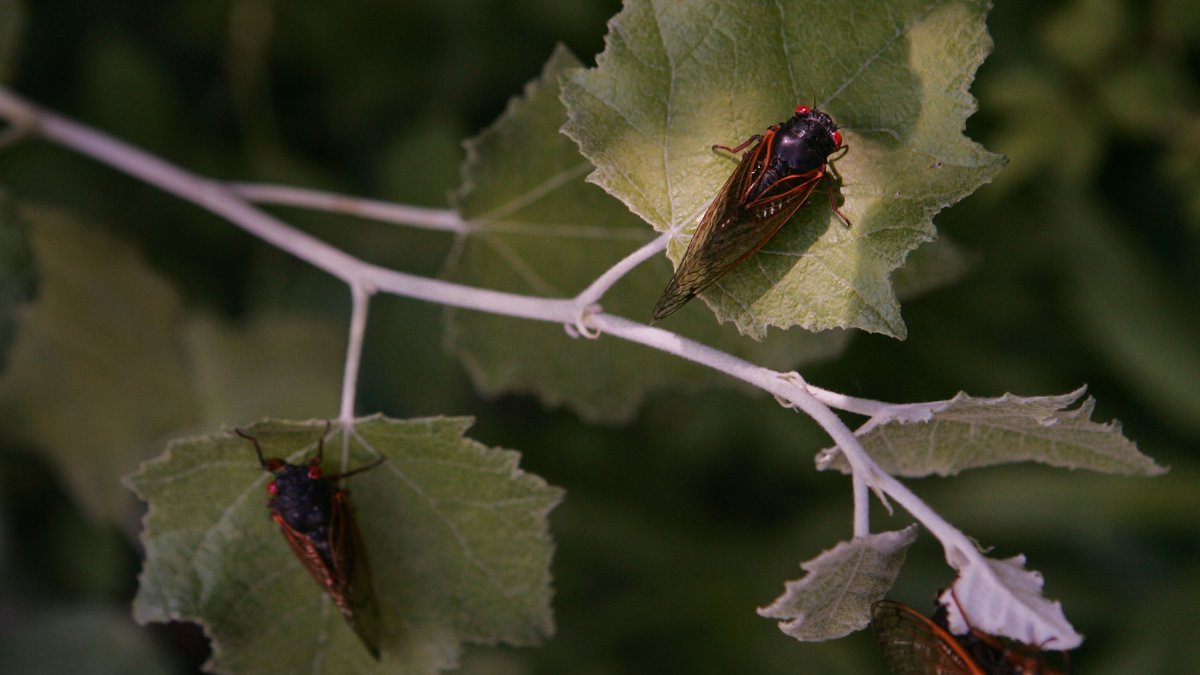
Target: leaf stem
360, 300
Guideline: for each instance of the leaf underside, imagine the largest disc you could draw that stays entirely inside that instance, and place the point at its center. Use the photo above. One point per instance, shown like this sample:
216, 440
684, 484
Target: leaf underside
835, 597
967, 433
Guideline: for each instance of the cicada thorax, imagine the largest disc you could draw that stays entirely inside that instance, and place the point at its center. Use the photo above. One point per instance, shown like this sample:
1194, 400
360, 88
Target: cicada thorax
318, 522
303, 499
773, 179
800, 146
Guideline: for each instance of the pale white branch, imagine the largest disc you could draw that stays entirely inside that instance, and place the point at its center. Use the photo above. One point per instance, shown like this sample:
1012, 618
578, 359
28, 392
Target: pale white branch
360, 298
414, 216
229, 201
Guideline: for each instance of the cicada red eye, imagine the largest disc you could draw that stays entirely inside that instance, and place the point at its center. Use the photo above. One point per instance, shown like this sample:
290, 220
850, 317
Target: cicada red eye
803, 110
314, 471
837, 138
272, 488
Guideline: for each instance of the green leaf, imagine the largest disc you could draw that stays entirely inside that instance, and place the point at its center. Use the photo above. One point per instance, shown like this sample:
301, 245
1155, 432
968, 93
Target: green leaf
80, 639
275, 364
676, 78
12, 22
1135, 315
106, 365
455, 532
539, 228
834, 599
935, 265
17, 271
1029, 140
966, 433
95, 376
1085, 34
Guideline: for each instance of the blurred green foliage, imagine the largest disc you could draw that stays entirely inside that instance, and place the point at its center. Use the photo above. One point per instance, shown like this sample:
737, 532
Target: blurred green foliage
676, 527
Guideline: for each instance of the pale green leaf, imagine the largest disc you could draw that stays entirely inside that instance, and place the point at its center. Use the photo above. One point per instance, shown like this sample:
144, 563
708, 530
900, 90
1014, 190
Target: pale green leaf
95, 376
80, 638
276, 364
966, 433
540, 229
676, 78
12, 22
106, 365
1133, 313
455, 533
935, 265
834, 598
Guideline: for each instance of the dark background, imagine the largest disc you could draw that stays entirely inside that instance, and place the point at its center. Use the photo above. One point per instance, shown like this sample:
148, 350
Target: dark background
675, 528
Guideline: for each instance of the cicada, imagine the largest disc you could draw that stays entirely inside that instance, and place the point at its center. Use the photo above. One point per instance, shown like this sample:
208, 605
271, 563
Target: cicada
914, 644
772, 181
318, 523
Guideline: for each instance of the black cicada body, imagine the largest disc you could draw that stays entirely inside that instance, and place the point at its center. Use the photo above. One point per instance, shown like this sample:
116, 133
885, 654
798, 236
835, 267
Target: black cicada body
318, 523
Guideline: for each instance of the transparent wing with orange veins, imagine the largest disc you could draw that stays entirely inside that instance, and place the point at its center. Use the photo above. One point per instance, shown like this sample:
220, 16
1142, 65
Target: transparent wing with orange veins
912, 644
355, 597
308, 554
732, 229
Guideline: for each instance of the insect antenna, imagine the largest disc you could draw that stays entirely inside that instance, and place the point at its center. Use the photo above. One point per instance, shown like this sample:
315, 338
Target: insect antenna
257, 447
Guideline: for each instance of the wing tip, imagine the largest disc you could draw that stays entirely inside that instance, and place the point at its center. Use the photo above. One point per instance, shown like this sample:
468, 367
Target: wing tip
668, 303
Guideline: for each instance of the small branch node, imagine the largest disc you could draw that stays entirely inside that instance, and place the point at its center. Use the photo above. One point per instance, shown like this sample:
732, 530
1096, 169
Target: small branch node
580, 327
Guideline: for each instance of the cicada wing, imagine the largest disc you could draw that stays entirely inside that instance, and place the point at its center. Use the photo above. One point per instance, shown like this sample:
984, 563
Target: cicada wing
731, 231
354, 595
309, 553
340, 566
912, 644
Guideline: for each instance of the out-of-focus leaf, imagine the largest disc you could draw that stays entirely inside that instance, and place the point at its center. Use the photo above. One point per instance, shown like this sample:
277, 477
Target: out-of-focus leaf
129, 91
676, 78
95, 375
540, 229
80, 639
935, 265
1182, 167
834, 599
16, 271
12, 21
106, 365
278, 364
1084, 33
966, 433
455, 531
1149, 99
1135, 316
1062, 138
421, 164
